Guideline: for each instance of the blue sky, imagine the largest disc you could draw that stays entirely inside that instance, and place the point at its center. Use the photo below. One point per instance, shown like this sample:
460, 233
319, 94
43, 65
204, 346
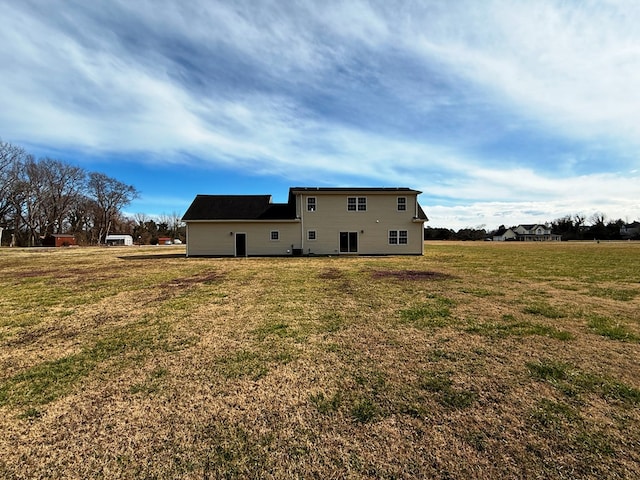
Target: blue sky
501, 112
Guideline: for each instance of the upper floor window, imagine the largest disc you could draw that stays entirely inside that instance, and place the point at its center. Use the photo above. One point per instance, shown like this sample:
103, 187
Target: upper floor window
357, 204
275, 235
402, 204
311, 204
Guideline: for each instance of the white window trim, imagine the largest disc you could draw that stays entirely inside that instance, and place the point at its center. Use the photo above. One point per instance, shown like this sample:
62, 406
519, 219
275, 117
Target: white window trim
397, 236
314, 204
401, 204
359, 201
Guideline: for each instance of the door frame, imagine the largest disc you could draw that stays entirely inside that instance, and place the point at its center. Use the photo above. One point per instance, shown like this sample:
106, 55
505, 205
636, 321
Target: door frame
350, 236
240, 237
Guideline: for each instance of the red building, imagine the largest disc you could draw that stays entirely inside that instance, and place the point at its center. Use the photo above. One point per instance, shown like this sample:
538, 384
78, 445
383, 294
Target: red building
59, 240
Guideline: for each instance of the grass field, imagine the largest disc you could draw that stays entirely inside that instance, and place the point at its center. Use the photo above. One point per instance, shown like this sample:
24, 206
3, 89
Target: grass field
477, 360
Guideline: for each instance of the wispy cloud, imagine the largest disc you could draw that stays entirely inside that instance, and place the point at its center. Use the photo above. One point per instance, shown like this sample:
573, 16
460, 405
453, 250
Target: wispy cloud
483, 105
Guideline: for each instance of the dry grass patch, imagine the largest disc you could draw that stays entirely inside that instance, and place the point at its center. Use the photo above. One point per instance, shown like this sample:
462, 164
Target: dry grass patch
476, 360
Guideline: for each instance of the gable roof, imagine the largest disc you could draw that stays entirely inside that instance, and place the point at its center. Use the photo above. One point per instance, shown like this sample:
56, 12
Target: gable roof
237, 207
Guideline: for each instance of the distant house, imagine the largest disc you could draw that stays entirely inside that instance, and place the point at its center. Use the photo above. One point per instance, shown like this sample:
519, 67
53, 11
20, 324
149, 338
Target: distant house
504, 235
535, 233
59, 240
526, 233
630, 230
119, 240
314, 221
164, 241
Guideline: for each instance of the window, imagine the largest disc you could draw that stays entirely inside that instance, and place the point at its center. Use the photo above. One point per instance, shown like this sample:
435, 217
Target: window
311, 235
348, 242
275, 235
357, 203
402, 204
311, 204
398, 237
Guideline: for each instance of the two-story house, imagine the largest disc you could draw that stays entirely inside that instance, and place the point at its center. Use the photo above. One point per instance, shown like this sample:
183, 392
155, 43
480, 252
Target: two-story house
314, 221
535, 233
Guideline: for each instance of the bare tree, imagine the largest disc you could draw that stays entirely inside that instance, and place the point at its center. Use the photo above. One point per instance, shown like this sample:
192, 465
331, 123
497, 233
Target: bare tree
111, 196
63, 186
26, 198
11, 157
82, 220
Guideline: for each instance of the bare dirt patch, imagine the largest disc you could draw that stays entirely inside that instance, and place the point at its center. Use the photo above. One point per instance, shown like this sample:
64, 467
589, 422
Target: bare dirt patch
411, 275
203, 278
330, 274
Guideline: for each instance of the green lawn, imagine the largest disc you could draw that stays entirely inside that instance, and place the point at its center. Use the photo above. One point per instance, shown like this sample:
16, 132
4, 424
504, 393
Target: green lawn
476, 360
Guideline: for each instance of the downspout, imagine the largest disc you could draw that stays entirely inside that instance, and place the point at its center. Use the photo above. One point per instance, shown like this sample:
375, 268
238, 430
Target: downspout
301, 224
186, 238
421, 228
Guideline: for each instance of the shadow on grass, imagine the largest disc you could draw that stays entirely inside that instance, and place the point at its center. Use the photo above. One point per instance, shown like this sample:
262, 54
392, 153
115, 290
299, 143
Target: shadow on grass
155, 256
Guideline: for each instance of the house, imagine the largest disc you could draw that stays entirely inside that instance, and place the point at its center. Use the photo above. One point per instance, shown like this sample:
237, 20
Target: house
630, 230
58, 240
314, 221
113, 240
504, 235
535, 233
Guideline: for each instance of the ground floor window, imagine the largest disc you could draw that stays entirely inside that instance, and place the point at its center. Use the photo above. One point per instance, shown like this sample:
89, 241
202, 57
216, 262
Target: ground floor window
398, 237
311, 235
275, 235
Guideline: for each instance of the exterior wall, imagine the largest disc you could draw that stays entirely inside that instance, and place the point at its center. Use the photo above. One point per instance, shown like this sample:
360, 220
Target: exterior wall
630, 230
508, 235
65, 241
126, 240
59, 240
219, 238
372, 226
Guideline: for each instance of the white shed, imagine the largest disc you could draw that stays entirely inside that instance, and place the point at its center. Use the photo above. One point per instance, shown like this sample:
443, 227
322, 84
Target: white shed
126, 240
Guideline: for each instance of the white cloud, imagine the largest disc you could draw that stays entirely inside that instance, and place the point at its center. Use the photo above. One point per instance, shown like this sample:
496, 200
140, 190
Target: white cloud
572, 65
615, 195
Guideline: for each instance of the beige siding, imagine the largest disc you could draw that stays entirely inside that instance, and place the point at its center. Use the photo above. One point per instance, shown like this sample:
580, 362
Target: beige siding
218, 238
330, 217
372, 226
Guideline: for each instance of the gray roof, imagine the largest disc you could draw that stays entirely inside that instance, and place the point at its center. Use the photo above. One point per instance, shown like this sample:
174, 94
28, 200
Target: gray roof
238, 207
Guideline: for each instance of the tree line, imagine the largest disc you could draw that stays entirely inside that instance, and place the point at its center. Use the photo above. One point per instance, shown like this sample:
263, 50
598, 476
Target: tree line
45, 196
596, 227
571, 227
